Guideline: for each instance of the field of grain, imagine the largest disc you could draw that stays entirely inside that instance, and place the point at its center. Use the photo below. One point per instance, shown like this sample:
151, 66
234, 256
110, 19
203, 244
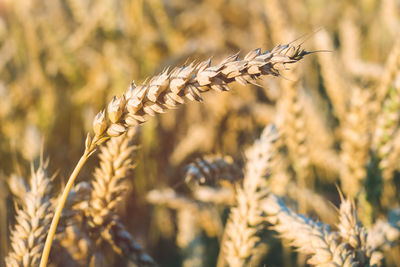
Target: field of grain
199, 133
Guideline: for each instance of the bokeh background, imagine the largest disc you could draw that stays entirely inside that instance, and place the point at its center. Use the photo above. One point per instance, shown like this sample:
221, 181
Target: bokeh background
61, 61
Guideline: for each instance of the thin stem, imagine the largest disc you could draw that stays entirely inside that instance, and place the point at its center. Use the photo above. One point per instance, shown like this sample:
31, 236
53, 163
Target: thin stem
60, 206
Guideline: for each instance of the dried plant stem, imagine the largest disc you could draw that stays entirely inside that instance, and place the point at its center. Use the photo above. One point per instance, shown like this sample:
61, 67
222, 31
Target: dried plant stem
57, 214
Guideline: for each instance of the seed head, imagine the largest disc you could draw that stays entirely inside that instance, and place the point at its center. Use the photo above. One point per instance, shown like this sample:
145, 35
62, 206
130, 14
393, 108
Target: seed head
100, 123
116, 108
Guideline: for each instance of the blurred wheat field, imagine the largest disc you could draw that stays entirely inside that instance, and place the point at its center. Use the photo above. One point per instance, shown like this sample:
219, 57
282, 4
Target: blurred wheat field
294, 169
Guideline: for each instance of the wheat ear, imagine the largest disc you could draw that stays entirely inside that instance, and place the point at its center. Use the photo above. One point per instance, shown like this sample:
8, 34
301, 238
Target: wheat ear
240, 236
211, 170
168, 90
108, 190
355, 143
32, 221
109, 184
355, 235
308, 236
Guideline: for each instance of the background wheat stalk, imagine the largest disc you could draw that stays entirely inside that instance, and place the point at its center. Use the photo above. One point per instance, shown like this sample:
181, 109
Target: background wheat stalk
33, 220
240, 241
109, 187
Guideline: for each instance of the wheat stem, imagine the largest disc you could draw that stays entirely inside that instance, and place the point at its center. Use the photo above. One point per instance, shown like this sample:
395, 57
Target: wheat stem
50, 236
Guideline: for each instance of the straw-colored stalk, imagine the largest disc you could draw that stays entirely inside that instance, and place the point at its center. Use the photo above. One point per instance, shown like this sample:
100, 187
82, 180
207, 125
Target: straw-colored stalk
166, 91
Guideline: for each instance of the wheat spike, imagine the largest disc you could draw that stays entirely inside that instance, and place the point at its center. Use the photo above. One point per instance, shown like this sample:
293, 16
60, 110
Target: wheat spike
123, 243
109, 184
353, 233
241, 230
32, 221
310, 237
109, 187
210, 169
168, 89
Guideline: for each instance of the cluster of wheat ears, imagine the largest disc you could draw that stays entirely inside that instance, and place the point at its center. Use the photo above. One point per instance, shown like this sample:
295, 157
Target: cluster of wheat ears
84, 215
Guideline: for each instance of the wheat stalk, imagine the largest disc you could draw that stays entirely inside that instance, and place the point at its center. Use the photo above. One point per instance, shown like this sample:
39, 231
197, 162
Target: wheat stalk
166, 91
32, 220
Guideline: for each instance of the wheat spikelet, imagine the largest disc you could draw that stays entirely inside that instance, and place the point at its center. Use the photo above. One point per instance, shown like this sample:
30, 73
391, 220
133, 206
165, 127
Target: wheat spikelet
240, 239
210, 169
32, 221
353, 233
